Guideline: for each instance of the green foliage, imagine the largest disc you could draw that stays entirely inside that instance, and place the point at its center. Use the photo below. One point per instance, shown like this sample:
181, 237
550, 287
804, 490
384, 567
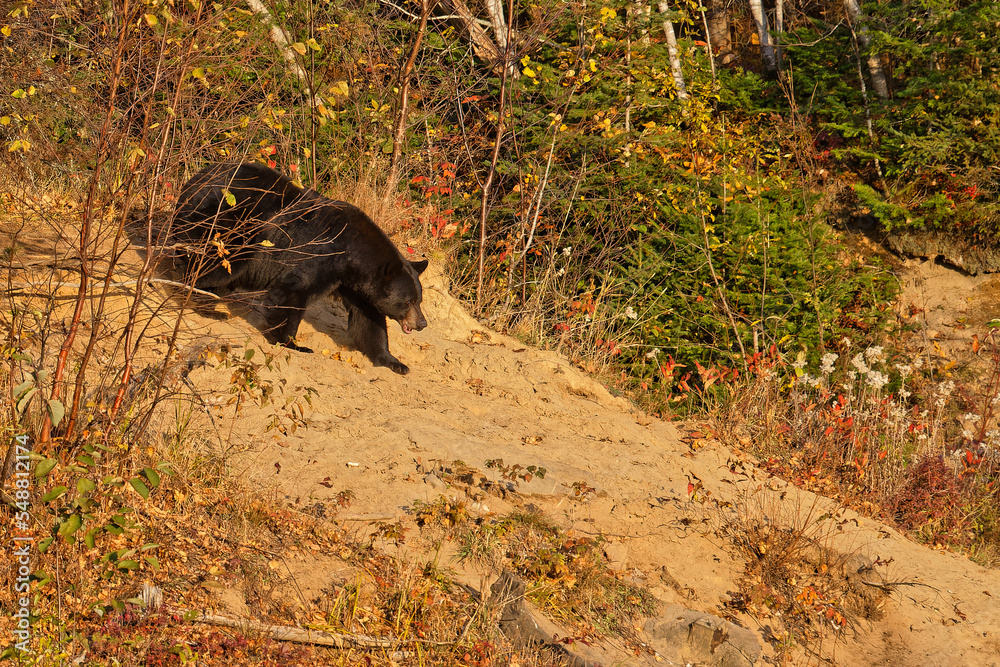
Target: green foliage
936, 139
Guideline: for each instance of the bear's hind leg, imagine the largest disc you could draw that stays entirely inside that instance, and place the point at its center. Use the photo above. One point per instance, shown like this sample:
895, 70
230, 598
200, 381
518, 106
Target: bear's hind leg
283, 309
367, 331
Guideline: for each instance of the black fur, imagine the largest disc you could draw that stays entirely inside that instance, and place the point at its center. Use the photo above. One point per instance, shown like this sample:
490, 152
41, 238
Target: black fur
293, 245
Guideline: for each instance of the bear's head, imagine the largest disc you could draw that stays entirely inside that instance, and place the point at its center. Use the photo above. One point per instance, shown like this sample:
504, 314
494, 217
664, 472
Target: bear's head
401, 295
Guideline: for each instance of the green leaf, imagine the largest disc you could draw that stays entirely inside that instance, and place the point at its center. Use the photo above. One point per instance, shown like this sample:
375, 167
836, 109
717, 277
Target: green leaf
140, 487
56, 411
152, 477
84, 485
89, 538
23, 403
248, 355
54, 493
23, 387
128, 565
229, 196
44, 468
152, 560
44, 545
70, 525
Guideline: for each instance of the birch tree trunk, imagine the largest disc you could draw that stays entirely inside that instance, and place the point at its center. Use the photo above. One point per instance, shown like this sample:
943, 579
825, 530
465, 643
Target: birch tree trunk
498, 19
675, 58
283, 41
854, 16
484, 48
764, 34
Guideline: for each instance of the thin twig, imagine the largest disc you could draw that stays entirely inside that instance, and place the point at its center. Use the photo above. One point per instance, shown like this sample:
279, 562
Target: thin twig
126, 283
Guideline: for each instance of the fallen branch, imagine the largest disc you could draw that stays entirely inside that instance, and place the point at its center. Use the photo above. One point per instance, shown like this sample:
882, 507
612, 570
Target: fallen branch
286, 633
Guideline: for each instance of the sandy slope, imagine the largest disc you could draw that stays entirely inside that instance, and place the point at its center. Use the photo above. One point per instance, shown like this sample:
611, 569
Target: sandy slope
475, 395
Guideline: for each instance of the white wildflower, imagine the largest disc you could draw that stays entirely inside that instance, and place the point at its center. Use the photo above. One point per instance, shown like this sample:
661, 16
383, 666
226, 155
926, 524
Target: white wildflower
971, 417
967, 434
874, 353
826, 363
847, 342
904, 370
630, 313
877, 380
918, 363
799, 364
859, 363
652, 353
561, 272
567, 251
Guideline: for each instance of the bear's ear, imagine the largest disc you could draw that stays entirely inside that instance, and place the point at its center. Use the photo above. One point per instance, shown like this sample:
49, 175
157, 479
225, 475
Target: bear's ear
419, 266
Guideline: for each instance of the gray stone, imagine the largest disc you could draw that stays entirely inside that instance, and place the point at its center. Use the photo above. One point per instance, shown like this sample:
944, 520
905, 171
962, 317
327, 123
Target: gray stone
692, 637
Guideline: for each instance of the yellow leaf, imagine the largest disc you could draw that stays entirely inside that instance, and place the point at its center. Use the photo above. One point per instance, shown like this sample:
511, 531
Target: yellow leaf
754, 38
4, 120
300, 48
267, 244
229, 196
593, 65
198, 73
151, 20
340, 89
527, 71
313, 44
5, 30
31, 90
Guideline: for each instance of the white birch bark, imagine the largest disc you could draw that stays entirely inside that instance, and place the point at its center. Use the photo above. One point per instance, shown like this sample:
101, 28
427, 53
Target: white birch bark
763, 33
498, 19
879, 83
283, 41
675, 58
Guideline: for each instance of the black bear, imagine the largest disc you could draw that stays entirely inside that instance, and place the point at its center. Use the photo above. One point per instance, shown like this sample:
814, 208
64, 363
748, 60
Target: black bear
247, 227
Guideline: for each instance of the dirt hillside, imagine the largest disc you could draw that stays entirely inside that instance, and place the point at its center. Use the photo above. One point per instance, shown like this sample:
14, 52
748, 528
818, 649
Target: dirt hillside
474, 395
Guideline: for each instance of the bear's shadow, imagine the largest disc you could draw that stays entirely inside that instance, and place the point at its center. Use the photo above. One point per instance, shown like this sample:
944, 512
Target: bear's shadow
327, 315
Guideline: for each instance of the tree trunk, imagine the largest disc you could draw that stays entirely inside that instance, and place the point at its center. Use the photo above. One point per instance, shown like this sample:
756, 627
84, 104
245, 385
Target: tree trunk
854, 16
675, 58
483, 47
498, 18
717, 19
763, 32
283, 41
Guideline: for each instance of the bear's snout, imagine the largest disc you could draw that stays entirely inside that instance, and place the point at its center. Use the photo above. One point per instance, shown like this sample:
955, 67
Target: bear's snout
413, 320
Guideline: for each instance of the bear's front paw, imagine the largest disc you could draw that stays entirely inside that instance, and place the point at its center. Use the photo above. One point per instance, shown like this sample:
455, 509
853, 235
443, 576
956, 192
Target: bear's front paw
392, 363
298, 348
400, 368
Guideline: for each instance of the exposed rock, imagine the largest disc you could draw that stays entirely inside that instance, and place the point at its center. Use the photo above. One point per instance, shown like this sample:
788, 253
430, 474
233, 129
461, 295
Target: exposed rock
691, 637
974, 258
